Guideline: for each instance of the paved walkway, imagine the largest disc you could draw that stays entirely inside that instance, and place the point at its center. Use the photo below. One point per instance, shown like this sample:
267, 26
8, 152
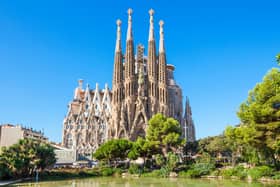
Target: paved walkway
4, 183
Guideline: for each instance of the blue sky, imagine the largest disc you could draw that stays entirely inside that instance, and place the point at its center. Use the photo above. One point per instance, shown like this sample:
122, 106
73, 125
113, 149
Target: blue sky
221, 49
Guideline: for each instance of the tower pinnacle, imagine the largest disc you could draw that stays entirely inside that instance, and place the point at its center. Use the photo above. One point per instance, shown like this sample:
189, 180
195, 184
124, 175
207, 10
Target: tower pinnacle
81, 81
161, 41
129, 28
151, 32
118, 41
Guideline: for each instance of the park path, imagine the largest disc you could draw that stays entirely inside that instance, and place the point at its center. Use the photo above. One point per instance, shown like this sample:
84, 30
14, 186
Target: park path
4, 183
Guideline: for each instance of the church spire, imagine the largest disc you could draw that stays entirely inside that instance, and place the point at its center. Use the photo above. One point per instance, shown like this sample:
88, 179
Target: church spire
162, 57
152, 50
162, 76
152, 67
151, 31
129, 55
129, 28
118, 68
130, 81
161, 41
118, 41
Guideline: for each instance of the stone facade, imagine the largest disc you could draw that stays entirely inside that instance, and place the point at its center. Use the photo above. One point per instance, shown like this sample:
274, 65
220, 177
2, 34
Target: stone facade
86, 124
142, 86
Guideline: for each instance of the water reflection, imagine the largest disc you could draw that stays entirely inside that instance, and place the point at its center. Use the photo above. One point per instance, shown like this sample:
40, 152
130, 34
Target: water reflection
141, 182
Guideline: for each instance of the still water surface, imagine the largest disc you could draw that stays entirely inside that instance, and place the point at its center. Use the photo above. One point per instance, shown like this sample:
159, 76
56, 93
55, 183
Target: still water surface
150, 182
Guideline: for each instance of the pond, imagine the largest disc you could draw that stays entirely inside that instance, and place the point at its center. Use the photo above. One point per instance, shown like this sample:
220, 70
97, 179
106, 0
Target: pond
137, 182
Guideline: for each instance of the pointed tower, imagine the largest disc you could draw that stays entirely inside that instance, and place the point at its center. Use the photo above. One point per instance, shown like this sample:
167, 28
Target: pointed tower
162, 75
118, 69
118, 86
189, 128
130, 79
152, 68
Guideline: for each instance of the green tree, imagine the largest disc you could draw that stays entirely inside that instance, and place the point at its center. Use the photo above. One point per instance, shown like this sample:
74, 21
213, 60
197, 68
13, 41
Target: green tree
165, 133
5, 172
113, 150
260, 116
143, 148
23, 158
191, 148
172, 161
45, 156
160, 160
215, 146
239, 140
278, 58
169, 163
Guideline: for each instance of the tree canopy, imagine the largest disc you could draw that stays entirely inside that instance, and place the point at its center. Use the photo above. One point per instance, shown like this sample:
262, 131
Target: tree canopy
165, 132
21, 159
113, 150
143, 148
263, 103
260, 119
214, 145
278, 59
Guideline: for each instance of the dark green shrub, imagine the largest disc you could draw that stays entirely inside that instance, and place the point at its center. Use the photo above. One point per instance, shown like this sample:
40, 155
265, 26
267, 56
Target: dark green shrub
148, 163
93, 173
172, 161
204, 168
154, 173
193, 173
117, 172
276, 176
227, 173
160, 160
107, 172
183, 174
215, 173
5, 173
163, 172
238, 171
181, 167
82, 174
241, 172
135, 169
198, 170
261, 171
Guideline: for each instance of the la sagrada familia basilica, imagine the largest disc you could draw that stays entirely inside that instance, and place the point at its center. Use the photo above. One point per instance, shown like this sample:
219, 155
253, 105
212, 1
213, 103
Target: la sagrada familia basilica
142, 86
